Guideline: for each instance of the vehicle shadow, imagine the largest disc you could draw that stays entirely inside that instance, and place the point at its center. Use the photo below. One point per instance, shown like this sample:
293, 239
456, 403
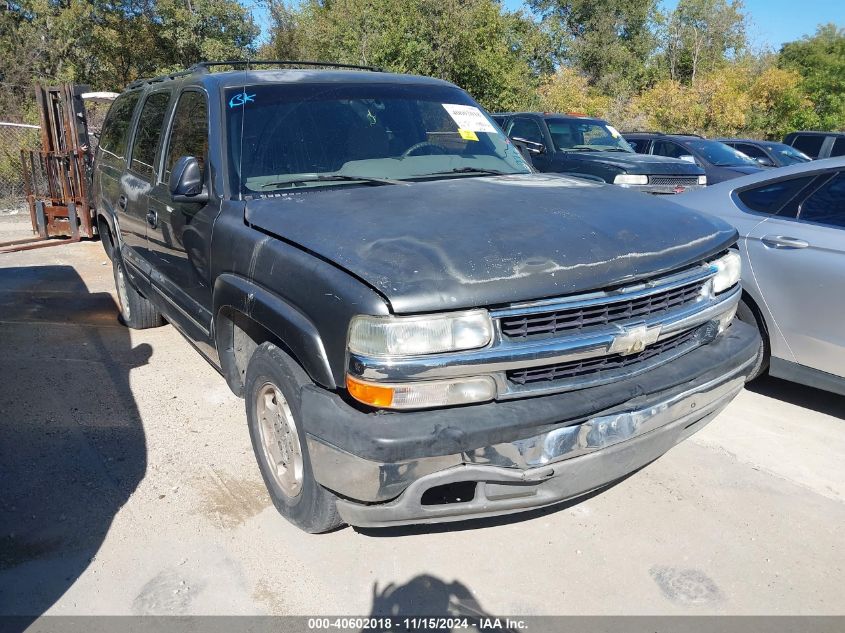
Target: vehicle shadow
73, 447
427, 596
800, 395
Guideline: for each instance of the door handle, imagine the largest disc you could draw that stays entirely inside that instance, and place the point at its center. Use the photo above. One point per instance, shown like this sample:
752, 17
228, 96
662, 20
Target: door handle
784, 242
152, 218
121, 202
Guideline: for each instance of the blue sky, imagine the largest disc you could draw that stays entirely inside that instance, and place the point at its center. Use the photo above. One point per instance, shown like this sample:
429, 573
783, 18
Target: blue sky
772, 22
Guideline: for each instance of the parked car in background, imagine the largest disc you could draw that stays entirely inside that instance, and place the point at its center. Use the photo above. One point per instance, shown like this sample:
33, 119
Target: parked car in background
818, 144
580, 145
423, 329
791, 223
719, 161
768, 153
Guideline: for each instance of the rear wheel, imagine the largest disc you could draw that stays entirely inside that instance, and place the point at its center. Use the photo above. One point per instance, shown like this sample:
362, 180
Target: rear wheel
750, 315
136, 311
272, 393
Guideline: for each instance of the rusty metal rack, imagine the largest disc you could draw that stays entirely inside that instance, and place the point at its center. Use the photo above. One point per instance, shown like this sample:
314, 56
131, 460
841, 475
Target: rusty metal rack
56, 177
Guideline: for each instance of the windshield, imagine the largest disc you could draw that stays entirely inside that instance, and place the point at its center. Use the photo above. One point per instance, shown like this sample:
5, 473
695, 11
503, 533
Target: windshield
285, 136
788, 155
586, 136
722, 155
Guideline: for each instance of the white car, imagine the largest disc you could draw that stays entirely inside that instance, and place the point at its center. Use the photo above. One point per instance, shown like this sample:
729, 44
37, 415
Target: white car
791, 223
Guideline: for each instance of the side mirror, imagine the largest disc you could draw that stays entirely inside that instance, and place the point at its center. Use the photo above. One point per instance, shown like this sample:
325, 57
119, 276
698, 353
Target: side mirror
765, 161
186, 182
529, 146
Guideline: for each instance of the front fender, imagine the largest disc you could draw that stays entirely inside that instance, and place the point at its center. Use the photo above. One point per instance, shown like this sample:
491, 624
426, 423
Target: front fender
277, 316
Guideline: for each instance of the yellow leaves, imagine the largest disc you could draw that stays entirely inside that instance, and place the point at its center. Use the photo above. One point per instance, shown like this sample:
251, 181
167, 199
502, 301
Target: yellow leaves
716, 103
568, 91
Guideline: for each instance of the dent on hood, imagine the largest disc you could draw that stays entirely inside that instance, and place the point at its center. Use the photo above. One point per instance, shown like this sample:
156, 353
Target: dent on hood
397, 249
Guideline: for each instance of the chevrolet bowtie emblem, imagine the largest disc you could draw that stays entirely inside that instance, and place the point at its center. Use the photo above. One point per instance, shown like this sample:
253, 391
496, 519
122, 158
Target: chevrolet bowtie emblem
634, 339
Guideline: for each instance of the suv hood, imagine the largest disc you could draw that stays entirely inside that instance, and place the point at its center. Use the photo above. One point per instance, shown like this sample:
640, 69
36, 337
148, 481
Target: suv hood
638, 163
484, 241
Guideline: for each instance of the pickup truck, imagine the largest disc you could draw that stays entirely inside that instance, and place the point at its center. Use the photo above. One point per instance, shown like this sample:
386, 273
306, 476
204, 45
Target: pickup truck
422, 327
588, 147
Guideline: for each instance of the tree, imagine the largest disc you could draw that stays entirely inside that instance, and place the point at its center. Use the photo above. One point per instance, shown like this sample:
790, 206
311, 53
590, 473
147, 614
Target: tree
490, 52
820, 61
716, 104
778, 103
108, 43
700, 35
610, 41
569, 91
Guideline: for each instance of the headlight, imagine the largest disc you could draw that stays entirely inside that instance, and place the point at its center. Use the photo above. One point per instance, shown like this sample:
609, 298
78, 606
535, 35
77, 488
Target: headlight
728, 271
409, 336
702, 180
630, 179
422, 395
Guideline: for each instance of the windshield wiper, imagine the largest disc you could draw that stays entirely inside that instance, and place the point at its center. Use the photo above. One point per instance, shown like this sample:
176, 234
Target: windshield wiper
468, 170
332, 178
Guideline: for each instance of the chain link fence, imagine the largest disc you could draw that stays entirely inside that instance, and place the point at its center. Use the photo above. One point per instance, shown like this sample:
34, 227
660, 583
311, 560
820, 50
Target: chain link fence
13, 138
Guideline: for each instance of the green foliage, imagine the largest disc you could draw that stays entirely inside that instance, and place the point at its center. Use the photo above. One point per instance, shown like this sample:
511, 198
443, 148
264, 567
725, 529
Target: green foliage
701, 35
681, 70
108, 43
609, 41
474, 43
820, 61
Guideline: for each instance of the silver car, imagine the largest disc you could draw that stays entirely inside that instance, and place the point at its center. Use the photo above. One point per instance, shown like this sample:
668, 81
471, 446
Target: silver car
791, 223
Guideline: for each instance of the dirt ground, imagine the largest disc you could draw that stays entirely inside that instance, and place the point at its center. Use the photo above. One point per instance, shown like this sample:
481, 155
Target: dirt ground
129, 487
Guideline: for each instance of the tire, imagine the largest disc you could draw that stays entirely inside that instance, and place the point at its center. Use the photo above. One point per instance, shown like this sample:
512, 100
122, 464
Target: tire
749, 315
136, 311
272, 393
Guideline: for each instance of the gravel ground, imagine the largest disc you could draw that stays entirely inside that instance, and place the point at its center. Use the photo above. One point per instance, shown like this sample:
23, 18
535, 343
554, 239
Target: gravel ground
129, 487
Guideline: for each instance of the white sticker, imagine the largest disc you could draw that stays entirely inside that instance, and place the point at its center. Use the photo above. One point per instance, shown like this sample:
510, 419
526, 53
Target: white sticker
469, 118
613, 131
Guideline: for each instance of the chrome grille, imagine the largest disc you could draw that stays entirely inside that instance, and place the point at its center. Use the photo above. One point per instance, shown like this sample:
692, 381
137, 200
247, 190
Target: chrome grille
586, 317
597, 367
673, 181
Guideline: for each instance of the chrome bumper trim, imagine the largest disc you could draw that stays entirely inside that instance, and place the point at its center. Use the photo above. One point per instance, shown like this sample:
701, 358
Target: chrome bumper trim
526, 459
541, 470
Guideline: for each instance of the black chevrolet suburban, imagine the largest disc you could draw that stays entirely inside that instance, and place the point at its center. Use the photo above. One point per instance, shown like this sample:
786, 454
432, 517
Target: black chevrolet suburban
585, 146
423, 328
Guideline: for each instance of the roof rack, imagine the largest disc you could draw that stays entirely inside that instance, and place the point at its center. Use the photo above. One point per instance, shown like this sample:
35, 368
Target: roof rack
278, 62
206, 66
150, 80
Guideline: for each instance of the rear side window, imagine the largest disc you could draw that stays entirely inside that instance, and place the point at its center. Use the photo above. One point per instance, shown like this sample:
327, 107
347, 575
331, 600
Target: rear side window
148, 134
115, 129
811, 145
189, 132
750, 150
838, 147
672, 150
526, 129
639, 144
769, 198
827, 204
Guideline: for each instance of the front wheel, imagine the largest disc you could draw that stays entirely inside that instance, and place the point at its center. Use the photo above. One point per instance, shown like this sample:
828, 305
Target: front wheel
136, 311
272, 394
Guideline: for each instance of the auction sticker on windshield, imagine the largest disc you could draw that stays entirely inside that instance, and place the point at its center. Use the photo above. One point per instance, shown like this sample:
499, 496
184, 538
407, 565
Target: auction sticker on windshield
469, 118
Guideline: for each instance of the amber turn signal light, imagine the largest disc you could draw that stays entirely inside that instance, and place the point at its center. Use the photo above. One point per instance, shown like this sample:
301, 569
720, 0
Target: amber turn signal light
373, 395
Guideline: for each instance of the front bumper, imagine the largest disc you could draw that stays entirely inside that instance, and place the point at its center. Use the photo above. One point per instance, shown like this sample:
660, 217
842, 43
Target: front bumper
665, 190
517, 454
